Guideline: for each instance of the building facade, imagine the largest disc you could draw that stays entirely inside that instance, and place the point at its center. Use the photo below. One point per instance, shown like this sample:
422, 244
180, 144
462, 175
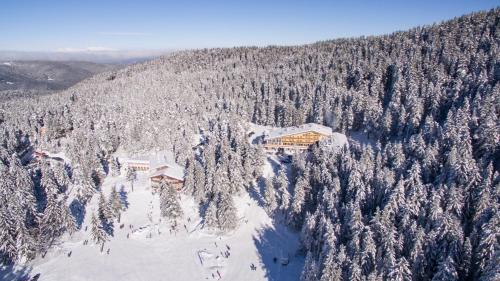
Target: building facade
295, 138
137, 164
160, 166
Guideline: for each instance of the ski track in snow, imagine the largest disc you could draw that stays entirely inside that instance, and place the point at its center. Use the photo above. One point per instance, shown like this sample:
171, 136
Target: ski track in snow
153, 253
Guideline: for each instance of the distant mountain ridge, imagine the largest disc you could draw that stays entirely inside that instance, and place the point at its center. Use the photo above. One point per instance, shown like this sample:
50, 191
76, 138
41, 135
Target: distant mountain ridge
47, 75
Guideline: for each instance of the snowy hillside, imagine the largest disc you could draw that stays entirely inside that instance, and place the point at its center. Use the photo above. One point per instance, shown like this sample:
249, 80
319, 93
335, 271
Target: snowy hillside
413, 197
47, 75
152, 251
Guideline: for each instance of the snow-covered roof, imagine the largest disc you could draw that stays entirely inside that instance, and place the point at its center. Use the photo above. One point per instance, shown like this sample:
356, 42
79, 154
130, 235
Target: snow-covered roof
142, 161
335, 142
160, 159
160, 163
280, 132
134, 161
173, 171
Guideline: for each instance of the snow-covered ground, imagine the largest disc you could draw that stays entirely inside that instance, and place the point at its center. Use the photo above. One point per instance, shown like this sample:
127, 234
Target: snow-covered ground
361, 138
153, 252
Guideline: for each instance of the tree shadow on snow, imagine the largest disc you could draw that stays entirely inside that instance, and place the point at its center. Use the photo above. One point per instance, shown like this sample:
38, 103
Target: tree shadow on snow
78, 212
123, 197
275, 165
9, 272
256, 191
276, 247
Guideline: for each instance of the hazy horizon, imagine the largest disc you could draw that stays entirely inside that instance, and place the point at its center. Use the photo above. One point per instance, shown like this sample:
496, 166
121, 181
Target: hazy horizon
95, 31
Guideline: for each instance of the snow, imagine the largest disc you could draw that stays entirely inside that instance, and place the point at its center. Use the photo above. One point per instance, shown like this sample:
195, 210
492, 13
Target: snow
255, 131
160, 159
7, 63
50, 79
9, 83
152, 252
279, 132
361, 138
58, 155
159, 162
174, 171
335, 142
197, 139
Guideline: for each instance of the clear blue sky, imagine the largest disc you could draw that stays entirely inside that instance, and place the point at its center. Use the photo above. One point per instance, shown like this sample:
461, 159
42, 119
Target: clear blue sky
47, 25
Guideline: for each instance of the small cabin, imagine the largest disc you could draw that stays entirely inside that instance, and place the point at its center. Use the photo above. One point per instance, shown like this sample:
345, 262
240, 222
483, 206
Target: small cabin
160, 166
163, 167
168, 176
137, 164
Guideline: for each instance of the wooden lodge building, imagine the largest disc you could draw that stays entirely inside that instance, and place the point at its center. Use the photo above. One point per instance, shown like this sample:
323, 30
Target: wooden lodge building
163, 168
295, 138
160, 166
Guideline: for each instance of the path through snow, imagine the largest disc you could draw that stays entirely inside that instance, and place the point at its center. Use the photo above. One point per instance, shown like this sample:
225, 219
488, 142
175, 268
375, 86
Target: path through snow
147, 248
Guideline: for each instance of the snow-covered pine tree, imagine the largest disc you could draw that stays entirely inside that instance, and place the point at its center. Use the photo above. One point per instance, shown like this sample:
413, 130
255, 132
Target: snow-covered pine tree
25, 242
401, 271
210, 216
97, 232
235, 174
297, 207
56, 217
105, 212
281, 185
270, 196
60, 177
8, 245
115, 203
310, 271
331, 269
446, 271
131, 177
115, 166
221, 180
189, 177
82, 182
169, 202
199, 182
226, 212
